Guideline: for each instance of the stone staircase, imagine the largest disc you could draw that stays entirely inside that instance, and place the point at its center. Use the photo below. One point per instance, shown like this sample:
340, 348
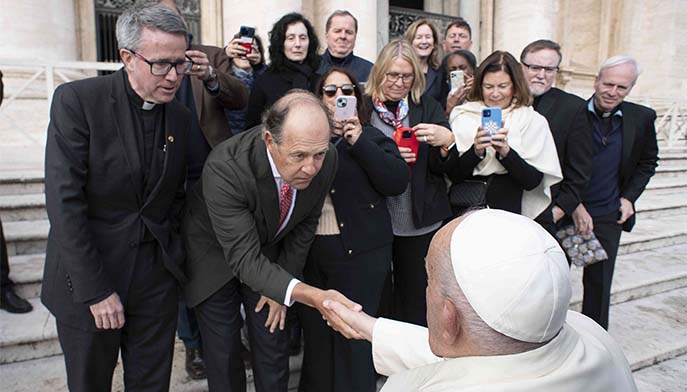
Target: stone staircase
649, 297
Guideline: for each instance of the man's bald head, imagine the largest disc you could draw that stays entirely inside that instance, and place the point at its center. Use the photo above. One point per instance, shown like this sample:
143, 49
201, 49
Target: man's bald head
295, 100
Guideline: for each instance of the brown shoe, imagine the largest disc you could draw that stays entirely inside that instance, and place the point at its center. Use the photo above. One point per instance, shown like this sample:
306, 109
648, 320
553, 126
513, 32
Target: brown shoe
195, 365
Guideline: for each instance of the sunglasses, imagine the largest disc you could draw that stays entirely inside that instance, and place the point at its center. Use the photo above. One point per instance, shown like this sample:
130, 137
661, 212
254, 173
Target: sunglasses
330, 89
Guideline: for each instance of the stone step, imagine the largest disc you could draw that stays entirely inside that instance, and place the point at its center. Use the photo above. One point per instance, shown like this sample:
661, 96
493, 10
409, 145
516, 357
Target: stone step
15, 183
26, 237
641, 274
667, 171
667, 376
26, 271
670, 185
29, 335
651, 329
656, 232
651, 205
673, 159
22, 207
20, 372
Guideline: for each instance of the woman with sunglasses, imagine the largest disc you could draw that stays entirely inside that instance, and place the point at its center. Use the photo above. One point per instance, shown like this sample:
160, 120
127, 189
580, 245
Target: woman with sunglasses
395, 90
352, 247
293, 62
424, 38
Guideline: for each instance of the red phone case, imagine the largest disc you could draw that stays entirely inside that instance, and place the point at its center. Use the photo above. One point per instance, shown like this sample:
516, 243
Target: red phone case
408, 142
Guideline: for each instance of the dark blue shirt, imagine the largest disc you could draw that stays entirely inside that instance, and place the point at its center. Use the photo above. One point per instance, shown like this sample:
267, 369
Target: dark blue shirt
602, 194
358, 66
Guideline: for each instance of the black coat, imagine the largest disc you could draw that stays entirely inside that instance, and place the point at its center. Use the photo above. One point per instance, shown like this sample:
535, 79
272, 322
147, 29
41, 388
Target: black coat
572, 134
640, 153
369, 170
97, 206
428, 188
269, 87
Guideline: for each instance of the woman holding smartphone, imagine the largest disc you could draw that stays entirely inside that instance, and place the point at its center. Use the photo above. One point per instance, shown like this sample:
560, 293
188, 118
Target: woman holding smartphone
458, 60
352, 247
518, 162
246, 67
424, 38
395, 89
293, 62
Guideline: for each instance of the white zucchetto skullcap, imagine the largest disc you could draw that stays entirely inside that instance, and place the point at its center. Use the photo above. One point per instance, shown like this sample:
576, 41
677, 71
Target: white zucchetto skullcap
513, 273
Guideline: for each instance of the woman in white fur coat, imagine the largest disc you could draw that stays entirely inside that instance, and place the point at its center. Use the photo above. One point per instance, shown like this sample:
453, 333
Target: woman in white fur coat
518, 161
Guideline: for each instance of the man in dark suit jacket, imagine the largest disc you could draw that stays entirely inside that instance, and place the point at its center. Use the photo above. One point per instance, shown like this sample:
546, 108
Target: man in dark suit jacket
206, 91
566, 114
248, 226
625, 158
114, 175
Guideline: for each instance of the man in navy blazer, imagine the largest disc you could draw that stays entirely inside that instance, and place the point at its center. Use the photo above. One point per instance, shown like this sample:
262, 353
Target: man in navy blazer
115, 165
625, 159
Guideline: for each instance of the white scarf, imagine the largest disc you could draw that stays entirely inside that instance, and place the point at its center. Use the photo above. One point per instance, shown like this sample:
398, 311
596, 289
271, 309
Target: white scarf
528, 134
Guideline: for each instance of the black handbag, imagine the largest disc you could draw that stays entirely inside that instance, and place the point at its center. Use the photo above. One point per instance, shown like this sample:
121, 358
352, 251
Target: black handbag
468, 194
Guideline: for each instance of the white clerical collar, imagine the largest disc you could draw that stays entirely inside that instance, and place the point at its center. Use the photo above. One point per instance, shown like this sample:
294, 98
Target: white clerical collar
148, 106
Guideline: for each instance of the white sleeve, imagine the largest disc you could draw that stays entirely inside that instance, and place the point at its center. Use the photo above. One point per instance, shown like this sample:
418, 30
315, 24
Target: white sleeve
398, 346
289, 289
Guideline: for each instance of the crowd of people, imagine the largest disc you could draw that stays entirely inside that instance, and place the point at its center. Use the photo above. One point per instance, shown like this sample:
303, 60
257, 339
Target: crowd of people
211, 189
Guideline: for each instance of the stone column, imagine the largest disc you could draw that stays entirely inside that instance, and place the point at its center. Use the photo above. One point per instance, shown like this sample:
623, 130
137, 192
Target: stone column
260, 14
211, 21
39, 30
517, 23
366, 14
470, 11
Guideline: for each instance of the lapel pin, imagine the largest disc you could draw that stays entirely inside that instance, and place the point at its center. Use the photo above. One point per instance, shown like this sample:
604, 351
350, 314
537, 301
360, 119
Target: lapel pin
170, 138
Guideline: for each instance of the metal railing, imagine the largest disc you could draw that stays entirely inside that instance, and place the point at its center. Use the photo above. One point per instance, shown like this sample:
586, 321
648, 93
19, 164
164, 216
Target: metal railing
671, 120
49, 70
400, 18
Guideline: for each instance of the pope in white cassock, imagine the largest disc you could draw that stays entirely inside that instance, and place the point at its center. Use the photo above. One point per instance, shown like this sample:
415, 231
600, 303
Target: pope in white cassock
497, 310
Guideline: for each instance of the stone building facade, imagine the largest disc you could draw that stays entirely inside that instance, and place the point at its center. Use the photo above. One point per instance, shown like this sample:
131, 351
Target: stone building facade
588, 30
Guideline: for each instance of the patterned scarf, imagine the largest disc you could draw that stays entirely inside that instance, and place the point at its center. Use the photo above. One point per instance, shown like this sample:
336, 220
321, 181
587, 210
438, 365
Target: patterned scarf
396, 120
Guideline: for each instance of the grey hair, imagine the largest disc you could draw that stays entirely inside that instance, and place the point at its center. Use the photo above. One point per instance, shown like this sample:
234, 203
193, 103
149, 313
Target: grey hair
340, 13
156, 17
619, 60
275, 117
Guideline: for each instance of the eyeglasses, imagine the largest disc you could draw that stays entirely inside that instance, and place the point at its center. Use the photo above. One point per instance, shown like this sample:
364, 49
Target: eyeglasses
537, 68
331, 89
394, 76
161, 68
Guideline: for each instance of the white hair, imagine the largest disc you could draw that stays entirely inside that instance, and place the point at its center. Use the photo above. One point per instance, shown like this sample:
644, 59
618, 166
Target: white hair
619, 60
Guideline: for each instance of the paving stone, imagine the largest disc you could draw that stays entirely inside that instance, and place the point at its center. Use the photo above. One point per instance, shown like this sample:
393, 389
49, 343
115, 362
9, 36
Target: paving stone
668, 376
652, 329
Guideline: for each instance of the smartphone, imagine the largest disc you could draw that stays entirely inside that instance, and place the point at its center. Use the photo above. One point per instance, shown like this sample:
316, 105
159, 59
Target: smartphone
457, 79
246, 34
491, 120
405, 137
345, 107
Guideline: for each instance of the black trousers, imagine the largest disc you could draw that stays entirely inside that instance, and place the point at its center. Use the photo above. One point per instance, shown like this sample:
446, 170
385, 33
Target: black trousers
146, 341
409, 280
330, 361
220, 322
597, 278
5, 282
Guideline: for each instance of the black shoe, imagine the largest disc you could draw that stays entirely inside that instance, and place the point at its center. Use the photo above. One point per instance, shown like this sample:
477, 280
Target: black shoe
13, 303
195, 365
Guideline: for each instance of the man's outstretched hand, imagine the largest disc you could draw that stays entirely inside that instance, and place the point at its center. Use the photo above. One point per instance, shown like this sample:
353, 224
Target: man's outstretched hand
316, 298
360, 322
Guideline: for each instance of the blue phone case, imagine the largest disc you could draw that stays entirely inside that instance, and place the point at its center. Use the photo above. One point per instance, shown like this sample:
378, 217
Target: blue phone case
491, 120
